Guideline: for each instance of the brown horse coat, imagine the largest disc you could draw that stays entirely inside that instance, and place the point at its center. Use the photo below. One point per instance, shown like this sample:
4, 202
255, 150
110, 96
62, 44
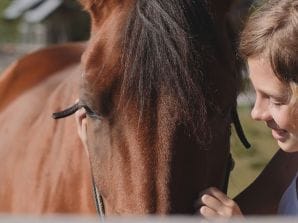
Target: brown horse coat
43, 166
157, 164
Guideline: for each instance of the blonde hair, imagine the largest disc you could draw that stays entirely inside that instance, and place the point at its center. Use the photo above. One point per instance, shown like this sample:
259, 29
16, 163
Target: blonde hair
294, 93
272, 32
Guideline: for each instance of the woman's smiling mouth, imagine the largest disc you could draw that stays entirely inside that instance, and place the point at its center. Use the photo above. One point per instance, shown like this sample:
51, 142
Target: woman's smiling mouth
280, 134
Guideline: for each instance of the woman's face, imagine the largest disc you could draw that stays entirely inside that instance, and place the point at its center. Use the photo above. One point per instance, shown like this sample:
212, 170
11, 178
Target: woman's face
273, 104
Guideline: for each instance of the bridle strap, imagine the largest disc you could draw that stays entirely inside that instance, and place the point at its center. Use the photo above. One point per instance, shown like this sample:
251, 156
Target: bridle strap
239, 129
244, 141
68, 111
229, 168
96, 195
97, 200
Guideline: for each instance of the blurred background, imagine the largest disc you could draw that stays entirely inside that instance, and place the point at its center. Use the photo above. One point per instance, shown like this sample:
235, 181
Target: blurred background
26, 25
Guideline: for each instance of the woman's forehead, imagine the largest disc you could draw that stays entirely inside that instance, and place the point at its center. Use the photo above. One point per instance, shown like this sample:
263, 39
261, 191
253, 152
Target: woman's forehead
260, 69
263, 78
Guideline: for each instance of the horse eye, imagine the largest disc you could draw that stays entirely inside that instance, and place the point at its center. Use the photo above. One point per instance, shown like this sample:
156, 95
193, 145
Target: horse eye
90, 113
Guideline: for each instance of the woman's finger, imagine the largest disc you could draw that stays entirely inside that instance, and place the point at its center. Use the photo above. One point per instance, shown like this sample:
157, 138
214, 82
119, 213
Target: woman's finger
221, 203
222, 197
207, 212
211, 202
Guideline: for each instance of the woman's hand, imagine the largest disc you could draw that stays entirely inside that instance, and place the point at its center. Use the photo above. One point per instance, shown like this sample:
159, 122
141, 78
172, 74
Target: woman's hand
217, 204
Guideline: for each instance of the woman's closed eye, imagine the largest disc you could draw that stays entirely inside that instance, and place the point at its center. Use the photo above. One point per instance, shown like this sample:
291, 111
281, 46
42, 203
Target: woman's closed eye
278, 101
275, 102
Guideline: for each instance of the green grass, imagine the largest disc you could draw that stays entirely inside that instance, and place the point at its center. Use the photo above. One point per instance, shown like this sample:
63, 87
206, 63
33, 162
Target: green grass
249, 163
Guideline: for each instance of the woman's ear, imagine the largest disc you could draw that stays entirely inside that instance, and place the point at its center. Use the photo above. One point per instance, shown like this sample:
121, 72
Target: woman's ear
81, 122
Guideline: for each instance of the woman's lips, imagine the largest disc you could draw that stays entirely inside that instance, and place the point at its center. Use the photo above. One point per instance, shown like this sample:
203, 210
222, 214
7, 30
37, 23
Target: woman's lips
280, 135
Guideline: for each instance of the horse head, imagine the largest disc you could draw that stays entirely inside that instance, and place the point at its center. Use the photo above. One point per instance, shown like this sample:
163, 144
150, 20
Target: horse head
158, 88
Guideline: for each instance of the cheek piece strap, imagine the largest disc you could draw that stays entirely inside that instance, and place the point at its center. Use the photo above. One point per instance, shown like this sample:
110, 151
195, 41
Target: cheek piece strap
68, 111
97, 196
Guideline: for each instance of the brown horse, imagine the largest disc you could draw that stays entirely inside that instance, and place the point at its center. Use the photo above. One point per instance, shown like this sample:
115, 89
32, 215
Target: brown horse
43, 169
158, 86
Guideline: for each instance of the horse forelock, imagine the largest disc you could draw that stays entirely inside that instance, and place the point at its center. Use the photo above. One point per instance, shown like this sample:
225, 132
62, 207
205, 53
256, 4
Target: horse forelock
166, 46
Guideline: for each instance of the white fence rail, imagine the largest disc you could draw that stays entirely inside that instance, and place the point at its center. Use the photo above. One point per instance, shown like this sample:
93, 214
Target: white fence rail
177, 219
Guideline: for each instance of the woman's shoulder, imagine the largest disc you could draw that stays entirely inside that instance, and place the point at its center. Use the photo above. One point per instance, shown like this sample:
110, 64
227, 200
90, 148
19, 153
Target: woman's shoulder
289, 202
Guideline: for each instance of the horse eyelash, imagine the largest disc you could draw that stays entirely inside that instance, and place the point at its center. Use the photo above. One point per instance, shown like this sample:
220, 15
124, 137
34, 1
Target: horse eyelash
90, 113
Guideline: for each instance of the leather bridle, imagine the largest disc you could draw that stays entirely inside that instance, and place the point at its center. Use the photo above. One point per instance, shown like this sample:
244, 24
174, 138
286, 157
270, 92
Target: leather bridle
96, 193
99, 205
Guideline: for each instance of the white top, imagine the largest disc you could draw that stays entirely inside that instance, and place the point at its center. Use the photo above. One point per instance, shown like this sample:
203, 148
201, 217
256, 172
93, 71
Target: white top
288, 204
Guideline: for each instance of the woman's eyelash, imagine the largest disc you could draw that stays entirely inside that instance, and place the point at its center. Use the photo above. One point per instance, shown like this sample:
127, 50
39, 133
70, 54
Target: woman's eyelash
276, 102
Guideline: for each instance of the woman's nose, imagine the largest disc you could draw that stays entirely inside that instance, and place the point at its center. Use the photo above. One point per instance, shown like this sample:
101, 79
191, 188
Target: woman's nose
260, 111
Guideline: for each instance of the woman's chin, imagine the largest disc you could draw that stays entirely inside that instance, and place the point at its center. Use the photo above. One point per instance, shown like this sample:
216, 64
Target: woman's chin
289, 145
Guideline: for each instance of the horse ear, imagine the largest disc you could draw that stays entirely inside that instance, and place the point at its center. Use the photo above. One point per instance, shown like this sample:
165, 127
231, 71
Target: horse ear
94, 5
88, 4
100, 9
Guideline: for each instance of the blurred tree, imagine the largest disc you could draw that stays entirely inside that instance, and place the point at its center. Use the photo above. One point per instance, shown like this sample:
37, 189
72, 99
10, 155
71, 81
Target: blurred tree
42, 21
72, 19
8, 29
80, 22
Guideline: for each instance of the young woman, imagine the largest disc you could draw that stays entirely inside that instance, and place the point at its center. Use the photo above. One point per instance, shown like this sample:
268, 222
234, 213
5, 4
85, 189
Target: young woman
269, 44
